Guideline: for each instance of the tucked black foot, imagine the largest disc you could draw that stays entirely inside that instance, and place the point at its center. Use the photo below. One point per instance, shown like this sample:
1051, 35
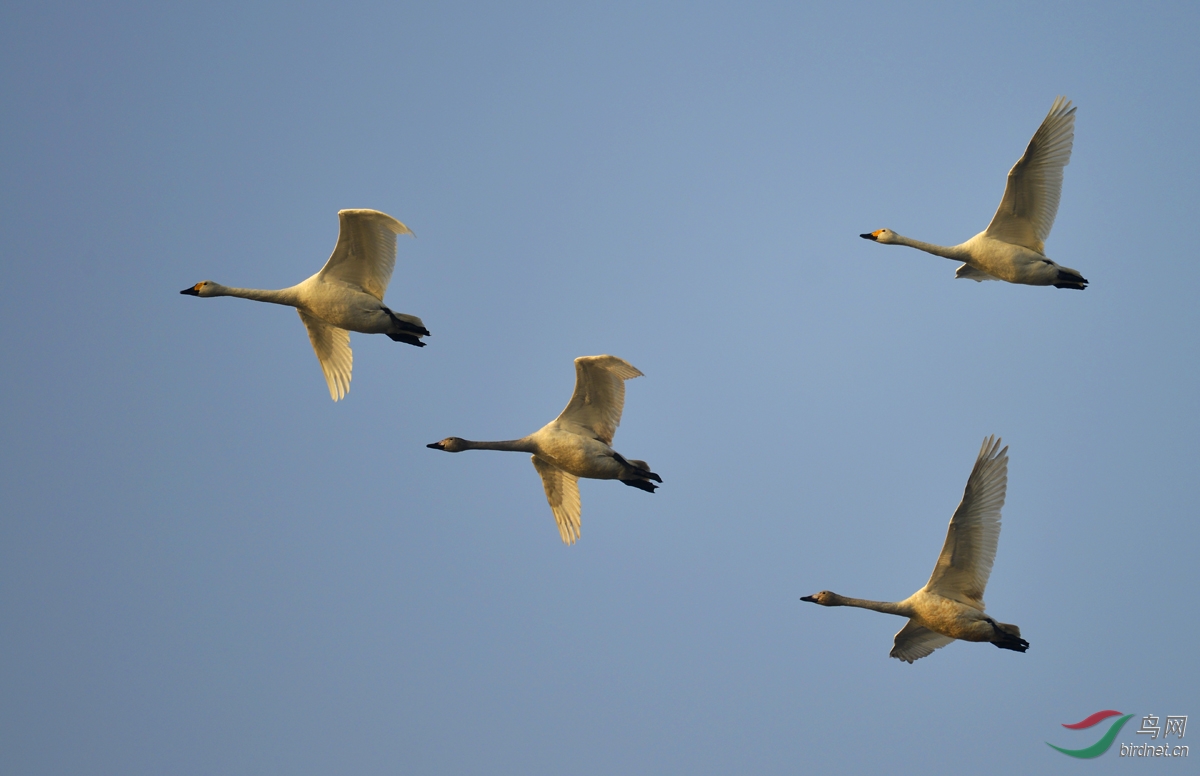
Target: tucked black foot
406, 327
637, 468
641, 485
1015, 643
406, 338
1071, 280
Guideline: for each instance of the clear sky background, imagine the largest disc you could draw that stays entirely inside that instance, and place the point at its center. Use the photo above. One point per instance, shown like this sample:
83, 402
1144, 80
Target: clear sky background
208, 567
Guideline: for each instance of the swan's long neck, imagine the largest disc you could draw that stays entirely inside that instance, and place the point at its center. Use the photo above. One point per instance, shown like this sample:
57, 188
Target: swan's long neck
887, 607
523, 445
286, 296
946, 252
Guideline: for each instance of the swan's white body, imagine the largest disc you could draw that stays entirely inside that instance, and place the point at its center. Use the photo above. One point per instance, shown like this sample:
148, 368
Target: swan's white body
1013, 248
578, 443
345, 296
950, 606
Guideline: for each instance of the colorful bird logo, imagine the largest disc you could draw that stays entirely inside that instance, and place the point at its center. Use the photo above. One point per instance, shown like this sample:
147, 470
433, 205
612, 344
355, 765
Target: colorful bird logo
1106, 740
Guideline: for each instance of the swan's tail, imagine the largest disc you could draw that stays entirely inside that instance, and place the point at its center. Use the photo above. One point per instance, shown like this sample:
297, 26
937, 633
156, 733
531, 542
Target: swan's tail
1069, 278
1009, 637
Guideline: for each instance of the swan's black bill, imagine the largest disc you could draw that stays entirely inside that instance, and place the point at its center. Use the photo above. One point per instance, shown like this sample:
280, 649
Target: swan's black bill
437, 446
190, 291
869, 236
809, 598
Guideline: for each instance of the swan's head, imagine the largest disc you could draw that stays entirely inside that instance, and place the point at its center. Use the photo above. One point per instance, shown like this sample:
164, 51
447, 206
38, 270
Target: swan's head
203, 288
880, 235
824, 598
450, 445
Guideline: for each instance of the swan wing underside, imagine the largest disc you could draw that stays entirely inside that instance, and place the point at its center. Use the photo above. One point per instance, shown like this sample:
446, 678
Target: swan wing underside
599, 394
914, 642
1030, 202
332, 346
562, 491
970, 273
963, 568
365, 253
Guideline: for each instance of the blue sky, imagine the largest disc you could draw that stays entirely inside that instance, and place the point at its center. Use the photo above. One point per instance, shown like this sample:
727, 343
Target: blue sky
208, 567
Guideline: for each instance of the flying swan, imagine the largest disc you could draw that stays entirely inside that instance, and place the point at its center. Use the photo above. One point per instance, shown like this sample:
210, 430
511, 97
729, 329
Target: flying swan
1012, 247
951, 605
578, 443
345, 296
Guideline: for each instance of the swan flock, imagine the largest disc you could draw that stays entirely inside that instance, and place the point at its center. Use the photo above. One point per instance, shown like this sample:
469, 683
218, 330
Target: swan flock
347, 295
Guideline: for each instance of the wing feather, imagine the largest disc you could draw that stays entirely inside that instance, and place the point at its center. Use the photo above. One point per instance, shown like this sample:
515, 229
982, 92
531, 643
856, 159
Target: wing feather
970, 273
332, 346
914, 642
963, 568
599, 396
365, 253
1030, 202
562, 491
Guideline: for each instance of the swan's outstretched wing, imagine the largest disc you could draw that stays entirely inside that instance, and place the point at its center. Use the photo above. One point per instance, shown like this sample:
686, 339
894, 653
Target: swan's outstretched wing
963, 568
914, 642
366, 250
970, 273
332, 346
562, 491
599, 394
1031, 197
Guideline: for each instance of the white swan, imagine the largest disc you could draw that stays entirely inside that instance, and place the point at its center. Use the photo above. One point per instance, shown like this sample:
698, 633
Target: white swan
1012, 247
951, 605
345, 296
578, 443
